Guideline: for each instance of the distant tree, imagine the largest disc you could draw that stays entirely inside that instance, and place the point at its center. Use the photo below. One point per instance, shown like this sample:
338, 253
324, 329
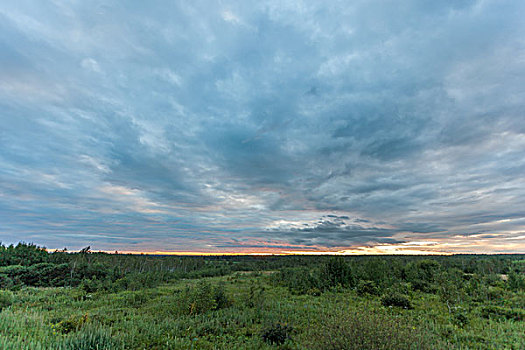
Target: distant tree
450, 287
516, 281
422, 274
25, 254
337, 272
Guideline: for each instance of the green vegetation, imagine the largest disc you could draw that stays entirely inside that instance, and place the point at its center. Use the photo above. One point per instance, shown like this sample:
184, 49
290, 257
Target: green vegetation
90, 300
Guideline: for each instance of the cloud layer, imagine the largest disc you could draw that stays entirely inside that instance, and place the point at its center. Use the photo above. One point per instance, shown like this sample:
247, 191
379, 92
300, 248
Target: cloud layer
245, 126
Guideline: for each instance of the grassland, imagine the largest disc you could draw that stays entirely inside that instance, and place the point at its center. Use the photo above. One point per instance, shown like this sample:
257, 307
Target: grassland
273, 303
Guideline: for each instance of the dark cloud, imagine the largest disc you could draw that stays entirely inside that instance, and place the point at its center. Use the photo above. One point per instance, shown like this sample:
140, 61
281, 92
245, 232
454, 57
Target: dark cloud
336, 231
201, 126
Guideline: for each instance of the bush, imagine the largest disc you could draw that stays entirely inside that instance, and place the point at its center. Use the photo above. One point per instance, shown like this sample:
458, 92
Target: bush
277, 333
364, 329
501, 313
6, 282
219, 295
495, 293
138, 281
494, 280
337, 272
396, 299
71, 324
377, 270
460, 318
367, 287
255, 296
203, 298
38, 275
6, 299
200, 299
13, 270
314, 292
22, 254
422, 274
91, 285
516, 281
299, 280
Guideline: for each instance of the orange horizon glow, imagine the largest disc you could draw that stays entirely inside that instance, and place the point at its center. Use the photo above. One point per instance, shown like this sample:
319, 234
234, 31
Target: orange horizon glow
289, 253
419, 247
359, 251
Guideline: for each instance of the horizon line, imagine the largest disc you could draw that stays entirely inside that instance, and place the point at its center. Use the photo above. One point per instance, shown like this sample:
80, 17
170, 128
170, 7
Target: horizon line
286, 253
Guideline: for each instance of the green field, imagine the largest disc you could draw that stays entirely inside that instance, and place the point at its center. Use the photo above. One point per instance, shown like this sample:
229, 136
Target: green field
105, 301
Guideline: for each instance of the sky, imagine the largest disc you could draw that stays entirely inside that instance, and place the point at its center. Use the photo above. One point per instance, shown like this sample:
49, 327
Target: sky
263, 126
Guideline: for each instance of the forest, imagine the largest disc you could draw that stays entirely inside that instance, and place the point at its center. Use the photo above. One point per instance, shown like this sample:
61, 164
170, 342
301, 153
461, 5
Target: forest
92, 300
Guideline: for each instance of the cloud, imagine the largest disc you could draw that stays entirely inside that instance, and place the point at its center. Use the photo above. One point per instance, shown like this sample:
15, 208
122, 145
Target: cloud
90, 64
214, 126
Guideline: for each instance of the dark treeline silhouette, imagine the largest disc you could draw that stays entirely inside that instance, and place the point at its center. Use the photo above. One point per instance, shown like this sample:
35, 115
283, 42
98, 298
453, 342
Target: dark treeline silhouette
31, 265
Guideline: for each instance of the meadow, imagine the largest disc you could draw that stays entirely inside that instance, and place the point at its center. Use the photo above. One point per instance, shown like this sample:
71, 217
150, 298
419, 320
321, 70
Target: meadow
91, 300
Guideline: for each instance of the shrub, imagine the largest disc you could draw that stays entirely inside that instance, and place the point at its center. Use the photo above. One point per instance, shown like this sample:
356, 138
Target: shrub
494, 280
298, 280
365, 329
277, 333
6, 282
22, 254
220, 297
422, 274
367, 287
38, 275
138, 281
498, 312
255, 296
71, 324
460, 318
377, 270
6, 299
13, 270
396, 299
516, 281
337, 272
91, 285
314, 292
203, 298
495, 293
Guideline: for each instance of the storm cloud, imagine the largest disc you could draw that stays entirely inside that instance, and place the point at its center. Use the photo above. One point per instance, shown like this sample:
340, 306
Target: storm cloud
233, 126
